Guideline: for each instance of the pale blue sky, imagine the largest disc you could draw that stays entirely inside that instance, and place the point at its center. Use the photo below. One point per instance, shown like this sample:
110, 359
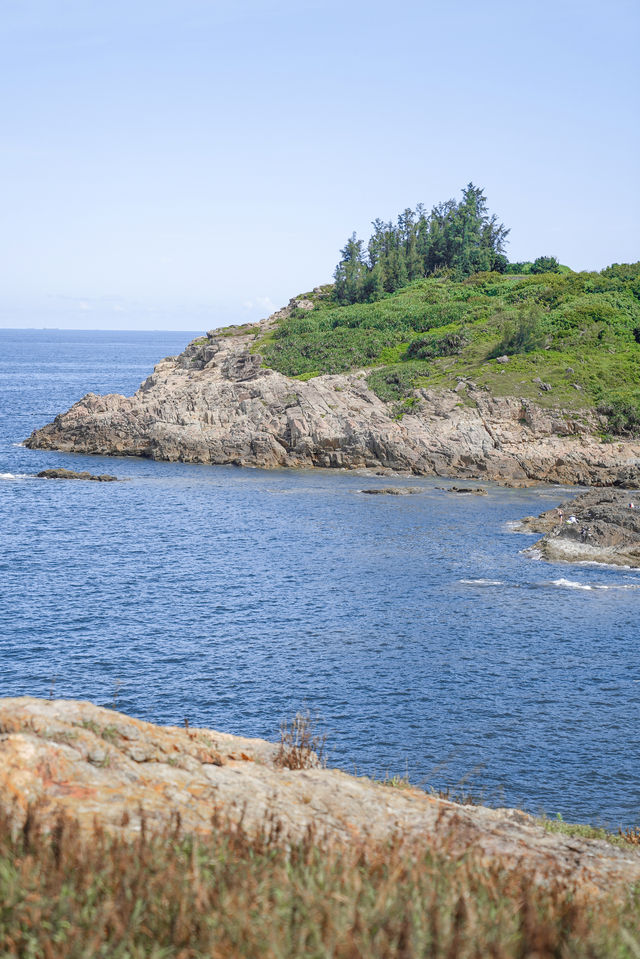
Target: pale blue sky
182, 164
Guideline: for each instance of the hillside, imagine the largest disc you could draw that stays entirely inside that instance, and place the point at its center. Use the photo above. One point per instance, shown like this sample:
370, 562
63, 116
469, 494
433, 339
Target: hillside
572, 339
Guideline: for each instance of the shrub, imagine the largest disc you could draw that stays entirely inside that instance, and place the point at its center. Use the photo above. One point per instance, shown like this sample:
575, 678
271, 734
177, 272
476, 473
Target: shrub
519, 268
429, 347
545, 264
622, 415
301, 745
523, 336
394, 383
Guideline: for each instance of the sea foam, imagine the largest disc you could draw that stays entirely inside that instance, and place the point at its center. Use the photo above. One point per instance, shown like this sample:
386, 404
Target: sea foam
481, 582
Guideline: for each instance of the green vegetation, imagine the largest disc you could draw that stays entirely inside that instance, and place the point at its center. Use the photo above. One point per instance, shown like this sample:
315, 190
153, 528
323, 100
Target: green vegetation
433, 299
585, 831
461, 237
623, 416
109, 733
545, 264
167, 896
577, 332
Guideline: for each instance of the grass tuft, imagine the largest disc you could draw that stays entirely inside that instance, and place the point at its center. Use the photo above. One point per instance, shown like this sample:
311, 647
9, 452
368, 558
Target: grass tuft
301, 745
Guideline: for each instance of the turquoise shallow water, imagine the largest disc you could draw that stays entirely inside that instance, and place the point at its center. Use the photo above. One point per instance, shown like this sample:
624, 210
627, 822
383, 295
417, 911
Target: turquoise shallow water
417, 627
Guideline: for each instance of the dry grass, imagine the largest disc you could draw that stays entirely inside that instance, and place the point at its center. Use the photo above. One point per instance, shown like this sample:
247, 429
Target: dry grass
302, 746
169, 896
631, 836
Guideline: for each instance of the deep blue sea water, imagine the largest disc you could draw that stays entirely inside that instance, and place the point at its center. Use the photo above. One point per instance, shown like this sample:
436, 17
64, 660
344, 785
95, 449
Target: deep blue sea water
416, 627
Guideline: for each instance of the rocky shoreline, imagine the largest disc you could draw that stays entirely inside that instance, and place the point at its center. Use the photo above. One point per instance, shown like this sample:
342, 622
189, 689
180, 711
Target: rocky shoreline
599, 525
217, 404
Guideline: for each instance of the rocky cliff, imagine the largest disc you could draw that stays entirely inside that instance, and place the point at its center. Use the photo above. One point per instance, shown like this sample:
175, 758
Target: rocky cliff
215, 403
95, 765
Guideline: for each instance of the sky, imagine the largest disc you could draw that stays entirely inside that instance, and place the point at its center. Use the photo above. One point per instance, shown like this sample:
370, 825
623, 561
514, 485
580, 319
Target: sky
185, 164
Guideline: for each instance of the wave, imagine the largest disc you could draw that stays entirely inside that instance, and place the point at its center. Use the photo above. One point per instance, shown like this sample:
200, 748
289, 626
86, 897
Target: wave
481, 582
532, 553
15, 476
574, 584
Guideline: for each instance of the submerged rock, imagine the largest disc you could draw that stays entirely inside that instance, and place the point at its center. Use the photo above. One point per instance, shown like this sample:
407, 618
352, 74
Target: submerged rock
472, 490
601, 525
74, 475
392, 490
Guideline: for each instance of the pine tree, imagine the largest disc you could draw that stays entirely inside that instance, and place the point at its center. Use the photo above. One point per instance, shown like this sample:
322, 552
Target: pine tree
373, 284
462, 237
349, 272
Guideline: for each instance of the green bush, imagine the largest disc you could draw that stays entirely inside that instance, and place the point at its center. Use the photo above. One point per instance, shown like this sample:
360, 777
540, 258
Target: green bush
428, 347
393, 383
545, 264
522, 336
623, 416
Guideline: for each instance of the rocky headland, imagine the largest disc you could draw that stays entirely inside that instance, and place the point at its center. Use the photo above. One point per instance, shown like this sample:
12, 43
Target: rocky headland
96, 765
217, 403
599, 525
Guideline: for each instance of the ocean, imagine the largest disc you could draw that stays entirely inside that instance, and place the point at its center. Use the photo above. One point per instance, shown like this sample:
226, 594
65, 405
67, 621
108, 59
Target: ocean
419, 630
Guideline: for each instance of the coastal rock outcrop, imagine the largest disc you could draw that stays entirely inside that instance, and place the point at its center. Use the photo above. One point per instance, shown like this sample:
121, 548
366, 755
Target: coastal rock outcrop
469, 490
61, 473
392, 490
95, 765
600, 525
216, 403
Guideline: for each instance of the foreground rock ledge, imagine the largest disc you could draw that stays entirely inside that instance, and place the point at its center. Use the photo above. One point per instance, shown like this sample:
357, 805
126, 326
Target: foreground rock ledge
215, 403
96, 764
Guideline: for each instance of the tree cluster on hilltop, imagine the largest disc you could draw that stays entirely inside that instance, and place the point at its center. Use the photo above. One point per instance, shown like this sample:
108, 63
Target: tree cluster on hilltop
462, 237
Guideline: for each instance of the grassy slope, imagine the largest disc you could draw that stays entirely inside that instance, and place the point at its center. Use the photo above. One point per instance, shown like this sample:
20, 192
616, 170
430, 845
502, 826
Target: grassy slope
582, 334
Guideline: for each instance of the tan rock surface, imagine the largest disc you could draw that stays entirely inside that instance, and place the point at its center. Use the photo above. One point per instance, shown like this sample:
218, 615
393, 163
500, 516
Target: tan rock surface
97, 764
215, 404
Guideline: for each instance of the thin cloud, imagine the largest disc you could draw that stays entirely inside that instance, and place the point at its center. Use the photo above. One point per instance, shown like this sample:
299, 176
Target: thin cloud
260, 303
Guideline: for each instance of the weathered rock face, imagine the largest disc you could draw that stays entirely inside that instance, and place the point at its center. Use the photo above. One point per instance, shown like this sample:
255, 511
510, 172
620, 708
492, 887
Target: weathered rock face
96, 764
600, 526
215, 404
